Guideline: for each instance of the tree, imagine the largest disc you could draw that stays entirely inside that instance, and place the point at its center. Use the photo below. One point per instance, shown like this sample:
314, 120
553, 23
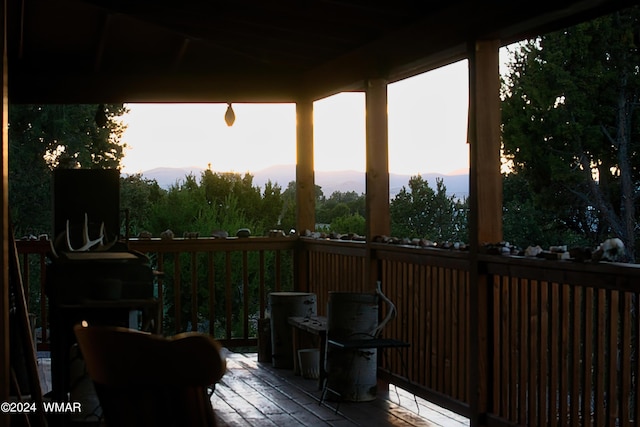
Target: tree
526, 225
137, 197
44, 137
349, 223
272, 205
218, 186
288, 213
423, 212
340, 204
571, 128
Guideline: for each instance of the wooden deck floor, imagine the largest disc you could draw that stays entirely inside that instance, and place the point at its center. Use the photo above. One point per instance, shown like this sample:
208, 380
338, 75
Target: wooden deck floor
256, 394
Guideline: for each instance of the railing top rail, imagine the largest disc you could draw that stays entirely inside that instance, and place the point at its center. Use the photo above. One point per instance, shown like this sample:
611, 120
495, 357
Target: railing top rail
342, 247
607, 275
210, 244
447, 258
179, 244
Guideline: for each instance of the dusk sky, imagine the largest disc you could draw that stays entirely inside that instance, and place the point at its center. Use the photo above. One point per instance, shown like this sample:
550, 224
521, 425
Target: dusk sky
427, 131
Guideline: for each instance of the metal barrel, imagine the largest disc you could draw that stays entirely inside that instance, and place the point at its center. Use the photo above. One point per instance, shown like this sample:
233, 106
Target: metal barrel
352, 373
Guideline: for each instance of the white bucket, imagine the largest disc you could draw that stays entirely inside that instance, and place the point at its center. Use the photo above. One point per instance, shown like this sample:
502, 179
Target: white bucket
309, 360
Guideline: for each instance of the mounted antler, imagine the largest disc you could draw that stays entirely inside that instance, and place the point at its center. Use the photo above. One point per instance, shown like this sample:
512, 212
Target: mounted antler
97, 244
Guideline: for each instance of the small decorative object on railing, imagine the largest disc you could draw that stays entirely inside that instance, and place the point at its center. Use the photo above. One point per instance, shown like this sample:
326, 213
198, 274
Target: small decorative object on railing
219, 234
533, 251
502, 248
610, 250
166, 235
243, 232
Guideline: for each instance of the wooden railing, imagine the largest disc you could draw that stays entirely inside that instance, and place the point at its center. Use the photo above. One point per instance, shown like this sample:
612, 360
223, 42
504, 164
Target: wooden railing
430, 288
565, 342
562, 340
215, 285
562, 337
233, 276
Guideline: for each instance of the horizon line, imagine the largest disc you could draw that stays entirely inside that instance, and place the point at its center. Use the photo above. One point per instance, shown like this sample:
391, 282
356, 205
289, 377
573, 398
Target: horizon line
461, 171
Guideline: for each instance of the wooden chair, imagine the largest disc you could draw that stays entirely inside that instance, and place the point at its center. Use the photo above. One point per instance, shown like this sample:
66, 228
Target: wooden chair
149, 380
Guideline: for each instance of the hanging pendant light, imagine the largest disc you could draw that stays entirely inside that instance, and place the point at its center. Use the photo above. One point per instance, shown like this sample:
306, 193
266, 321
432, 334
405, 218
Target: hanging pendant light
229, 116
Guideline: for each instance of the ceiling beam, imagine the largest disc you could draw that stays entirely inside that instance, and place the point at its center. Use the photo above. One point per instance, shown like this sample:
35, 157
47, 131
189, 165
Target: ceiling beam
121, 88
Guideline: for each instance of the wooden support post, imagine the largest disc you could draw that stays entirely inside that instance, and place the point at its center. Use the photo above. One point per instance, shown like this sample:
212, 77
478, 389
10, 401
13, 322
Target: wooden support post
305, 186
4, 226
485, 219
484, 139
378, 220
305, 180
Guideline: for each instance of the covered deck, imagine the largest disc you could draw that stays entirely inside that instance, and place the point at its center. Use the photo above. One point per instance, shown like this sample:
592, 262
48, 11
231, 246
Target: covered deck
499, 340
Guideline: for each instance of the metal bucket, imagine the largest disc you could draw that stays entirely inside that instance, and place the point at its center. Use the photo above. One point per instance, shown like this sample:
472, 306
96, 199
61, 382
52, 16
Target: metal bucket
283, 305
352, 373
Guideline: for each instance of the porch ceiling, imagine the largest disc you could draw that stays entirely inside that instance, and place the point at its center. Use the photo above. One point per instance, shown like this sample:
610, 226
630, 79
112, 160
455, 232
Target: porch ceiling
96, 51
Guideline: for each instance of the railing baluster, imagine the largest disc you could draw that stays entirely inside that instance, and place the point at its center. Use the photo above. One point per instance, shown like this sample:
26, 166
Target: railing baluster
565, 368
534, 349
177, 285
600, 403
625, 359
261, 290
587, 371
278, 272
160, 282
212, 293
577, 356
44, 318
194, 291
228, 296
245, 294
614, 358
523, 369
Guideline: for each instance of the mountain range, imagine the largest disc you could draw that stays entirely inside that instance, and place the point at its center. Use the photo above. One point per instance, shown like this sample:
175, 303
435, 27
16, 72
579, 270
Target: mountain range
329, 181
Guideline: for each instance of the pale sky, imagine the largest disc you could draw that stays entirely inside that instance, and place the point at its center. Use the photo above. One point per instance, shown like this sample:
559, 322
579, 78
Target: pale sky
427, 131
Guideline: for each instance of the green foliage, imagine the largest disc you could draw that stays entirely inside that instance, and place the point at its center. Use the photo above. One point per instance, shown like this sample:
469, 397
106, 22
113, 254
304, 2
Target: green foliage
423, 212
349, 223
137, 198
524, 224
287, 217
571, 128
44, 137
338, 205
217, 201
